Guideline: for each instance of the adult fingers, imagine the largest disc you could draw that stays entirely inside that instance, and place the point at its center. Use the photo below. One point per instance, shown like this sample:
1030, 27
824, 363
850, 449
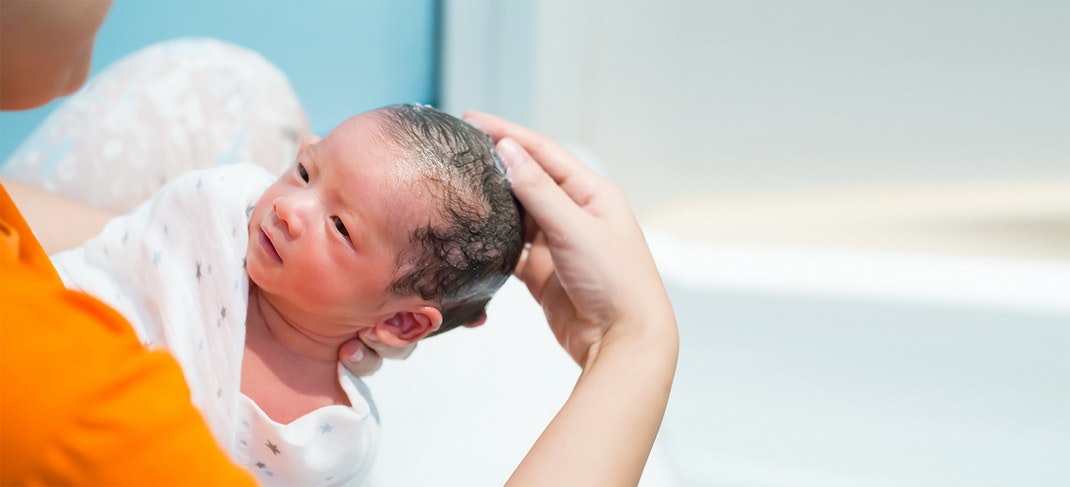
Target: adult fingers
358, 358
552, 209
532, 236
384, 350
540, 146
536, 266
556, 160
566, 169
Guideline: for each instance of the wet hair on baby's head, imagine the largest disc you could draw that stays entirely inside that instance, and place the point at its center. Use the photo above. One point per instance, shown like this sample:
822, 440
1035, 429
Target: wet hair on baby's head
463, 258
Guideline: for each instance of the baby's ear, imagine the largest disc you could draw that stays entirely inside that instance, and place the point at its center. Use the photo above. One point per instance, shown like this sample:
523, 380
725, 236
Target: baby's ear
307, 141
406, 327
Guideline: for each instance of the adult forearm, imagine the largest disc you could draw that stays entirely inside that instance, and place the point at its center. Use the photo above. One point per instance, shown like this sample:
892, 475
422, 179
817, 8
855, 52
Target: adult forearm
589, 267
604, 432
58, 222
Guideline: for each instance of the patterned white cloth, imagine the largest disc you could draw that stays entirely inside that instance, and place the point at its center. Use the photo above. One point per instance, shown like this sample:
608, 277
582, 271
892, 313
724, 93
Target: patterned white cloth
175, 268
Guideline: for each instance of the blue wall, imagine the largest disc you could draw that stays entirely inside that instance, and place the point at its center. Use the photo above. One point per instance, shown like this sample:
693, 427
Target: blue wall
342, 56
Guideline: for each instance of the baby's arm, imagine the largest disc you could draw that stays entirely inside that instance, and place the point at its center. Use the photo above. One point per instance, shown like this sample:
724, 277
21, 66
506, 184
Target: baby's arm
58, 222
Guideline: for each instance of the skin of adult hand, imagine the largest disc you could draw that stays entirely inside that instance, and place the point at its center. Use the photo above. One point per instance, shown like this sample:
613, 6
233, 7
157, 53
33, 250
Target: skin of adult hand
364, 354
588, 263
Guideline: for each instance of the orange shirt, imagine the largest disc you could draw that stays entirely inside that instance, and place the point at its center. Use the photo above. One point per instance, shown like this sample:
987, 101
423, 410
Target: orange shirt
81, 401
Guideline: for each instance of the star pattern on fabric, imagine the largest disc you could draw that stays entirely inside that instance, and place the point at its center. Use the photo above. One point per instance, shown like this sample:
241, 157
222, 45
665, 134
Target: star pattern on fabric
200, 182
222, 311
198, 270
156, 255
273, 447
261, 465
326, 428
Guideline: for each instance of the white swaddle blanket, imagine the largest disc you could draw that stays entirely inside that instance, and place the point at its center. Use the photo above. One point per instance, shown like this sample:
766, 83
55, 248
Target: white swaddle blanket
174, 267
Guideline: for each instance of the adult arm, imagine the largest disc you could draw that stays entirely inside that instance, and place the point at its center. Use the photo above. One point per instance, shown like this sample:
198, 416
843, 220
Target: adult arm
592, 272
58, 222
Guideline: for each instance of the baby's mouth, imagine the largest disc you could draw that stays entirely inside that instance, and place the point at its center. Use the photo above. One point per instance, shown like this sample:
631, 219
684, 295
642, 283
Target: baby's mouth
268, 246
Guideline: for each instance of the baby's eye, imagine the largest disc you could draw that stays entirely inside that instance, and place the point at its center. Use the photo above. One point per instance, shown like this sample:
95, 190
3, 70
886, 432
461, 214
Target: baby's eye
341, 227
301, 171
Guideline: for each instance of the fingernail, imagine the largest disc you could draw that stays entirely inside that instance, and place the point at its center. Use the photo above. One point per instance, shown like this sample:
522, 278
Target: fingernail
357, 356
512, 154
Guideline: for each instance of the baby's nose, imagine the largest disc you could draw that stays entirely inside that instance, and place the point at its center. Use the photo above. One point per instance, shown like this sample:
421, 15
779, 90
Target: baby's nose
288, 211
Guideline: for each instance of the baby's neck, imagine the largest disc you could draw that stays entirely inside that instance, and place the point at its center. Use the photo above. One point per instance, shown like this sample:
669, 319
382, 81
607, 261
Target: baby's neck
264, 317
287, 373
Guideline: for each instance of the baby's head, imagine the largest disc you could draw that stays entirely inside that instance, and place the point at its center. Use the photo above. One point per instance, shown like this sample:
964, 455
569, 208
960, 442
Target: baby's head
464, 254
399, 219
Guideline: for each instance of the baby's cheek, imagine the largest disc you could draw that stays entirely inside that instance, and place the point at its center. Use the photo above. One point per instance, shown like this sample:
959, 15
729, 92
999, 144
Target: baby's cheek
317, 277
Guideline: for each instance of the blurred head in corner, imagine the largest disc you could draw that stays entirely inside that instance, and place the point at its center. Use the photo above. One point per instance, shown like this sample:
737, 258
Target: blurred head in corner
45, 48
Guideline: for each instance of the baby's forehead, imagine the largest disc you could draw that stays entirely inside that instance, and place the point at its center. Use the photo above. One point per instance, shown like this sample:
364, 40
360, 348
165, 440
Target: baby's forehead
415, 200
420, 185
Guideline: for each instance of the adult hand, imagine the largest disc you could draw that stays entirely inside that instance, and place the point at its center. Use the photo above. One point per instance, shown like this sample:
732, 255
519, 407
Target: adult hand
590, 268
588, 264
364, 355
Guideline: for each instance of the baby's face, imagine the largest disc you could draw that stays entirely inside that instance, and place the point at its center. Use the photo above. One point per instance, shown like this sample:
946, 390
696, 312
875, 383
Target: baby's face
324, 238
